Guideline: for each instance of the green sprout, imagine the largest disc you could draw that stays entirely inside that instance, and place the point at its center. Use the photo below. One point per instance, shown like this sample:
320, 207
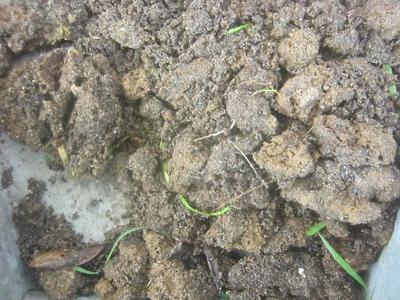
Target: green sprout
120, 238
266, 91
316, 228
237, 29
85, 271
223, 295
392, 87
220, 212
339, 259
388, 69
109, 255
165, 170
162, 144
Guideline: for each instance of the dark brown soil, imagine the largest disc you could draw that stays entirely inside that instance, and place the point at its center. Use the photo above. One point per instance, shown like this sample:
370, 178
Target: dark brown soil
110, 80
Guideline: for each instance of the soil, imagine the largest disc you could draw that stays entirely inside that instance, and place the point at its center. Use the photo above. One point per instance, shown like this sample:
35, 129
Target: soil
129, 85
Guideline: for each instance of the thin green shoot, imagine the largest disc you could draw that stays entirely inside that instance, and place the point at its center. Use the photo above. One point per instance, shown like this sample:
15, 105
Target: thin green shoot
109, 255
316, 228
120, 238
237, 29
392, 88
339, 259
266, 91
162, 144
220, 212
165, 170
85, 271
343, 263
223, 295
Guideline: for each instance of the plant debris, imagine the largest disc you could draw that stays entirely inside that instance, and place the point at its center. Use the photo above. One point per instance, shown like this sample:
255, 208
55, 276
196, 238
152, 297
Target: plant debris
61, 259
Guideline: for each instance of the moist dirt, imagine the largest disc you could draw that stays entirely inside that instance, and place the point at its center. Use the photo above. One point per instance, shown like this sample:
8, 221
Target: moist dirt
132, 88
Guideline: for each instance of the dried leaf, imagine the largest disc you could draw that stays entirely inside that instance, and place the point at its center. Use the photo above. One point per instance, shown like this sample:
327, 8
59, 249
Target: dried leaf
61, 259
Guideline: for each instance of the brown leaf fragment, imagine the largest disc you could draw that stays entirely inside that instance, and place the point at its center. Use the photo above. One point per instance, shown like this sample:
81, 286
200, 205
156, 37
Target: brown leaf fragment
61, 259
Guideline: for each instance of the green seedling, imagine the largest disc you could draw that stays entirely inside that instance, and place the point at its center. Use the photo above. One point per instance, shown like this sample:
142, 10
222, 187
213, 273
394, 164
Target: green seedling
339, 259
85, 271
120, 238
112, 251
316, 228
165, 170
343, 263
237, 29
388, 69
266, 91
162, 145
392, 87
220, 212
223, 295
393, 90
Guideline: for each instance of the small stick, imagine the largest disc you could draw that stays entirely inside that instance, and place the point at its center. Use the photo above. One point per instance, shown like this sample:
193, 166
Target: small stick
232, 125
216, 133
210, 135
250, 164
311, 128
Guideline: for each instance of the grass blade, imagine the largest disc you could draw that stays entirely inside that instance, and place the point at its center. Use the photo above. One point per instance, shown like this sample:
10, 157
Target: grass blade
162, 145
165, 170
266, 90
223, 295
120, 238
343, 263
392, 88
388, 69
85, 271
316, 228
220, 212
237, 29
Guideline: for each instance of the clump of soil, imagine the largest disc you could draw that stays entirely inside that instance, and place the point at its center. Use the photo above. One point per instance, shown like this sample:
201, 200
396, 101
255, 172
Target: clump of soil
139, 85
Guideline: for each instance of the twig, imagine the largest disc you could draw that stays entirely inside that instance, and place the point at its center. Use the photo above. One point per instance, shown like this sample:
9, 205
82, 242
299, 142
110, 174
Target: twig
311, 128
216, 133
210, 135
232, 125
250, 164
